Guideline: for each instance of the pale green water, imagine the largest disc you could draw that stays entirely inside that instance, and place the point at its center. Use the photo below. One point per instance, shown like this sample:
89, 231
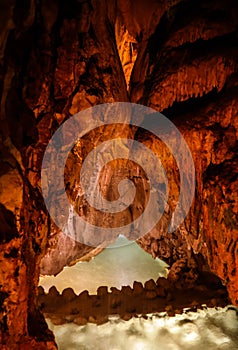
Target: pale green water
119, 265
210, 329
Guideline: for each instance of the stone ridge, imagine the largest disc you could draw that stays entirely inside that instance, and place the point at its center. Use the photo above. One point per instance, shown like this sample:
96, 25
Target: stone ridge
164, 295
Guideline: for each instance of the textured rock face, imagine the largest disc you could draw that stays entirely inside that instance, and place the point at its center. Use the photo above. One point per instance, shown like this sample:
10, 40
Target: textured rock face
57, 58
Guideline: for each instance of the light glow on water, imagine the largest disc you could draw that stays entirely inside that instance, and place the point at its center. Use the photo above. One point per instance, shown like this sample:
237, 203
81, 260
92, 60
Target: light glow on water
120, 265
213, 329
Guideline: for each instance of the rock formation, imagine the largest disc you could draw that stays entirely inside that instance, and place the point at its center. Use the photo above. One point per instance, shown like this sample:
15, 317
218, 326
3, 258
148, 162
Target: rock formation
163, 295
60, 57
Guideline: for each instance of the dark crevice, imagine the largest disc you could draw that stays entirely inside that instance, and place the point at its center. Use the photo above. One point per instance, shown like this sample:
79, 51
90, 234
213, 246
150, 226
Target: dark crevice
224, 46
186, 12
177, 18
21, 12
37, 327
180, 110
158, 38
70, 9
194, 108
8, 229
170, 61
3, 321
3, 296
222, 171
12, 254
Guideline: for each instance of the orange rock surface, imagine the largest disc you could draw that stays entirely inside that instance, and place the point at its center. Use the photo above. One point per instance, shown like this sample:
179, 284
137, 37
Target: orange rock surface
58, 58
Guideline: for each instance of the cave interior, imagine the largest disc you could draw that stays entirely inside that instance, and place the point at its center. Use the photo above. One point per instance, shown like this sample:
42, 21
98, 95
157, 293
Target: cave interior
59, 58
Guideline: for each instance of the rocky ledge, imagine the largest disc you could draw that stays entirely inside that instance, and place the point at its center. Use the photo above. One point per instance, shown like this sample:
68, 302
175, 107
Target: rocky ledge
162, 295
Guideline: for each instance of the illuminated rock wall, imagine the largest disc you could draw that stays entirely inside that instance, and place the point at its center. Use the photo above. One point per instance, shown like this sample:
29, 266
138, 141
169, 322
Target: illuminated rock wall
57, 58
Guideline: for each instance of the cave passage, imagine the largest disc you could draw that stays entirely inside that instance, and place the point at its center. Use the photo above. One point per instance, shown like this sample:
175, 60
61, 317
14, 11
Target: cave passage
120, 264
